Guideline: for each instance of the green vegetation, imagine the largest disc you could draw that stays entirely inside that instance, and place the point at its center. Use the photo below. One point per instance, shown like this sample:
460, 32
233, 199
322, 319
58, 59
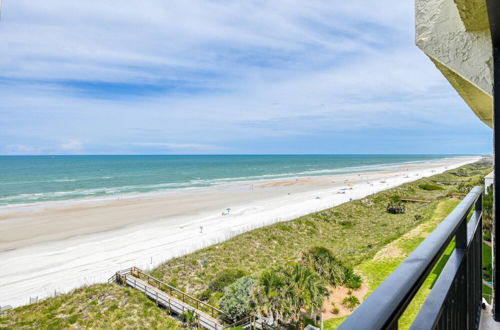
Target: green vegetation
103, 306
377, 270
190, 318
329, 268
487, 259
285, 292
487, 293
354, 231
487, 271
291, 263
395, 205
350, 302
237, 300
335, 310
488, 214
430, 186
333, 323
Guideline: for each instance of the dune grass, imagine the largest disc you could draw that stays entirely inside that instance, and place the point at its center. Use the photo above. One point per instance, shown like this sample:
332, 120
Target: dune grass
354, 231
103, 306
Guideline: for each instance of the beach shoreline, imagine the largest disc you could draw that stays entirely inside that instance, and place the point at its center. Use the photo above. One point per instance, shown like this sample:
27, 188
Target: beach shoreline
58, 247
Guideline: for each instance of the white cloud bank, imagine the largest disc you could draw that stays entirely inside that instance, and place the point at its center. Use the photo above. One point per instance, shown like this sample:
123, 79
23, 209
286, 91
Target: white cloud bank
214, 75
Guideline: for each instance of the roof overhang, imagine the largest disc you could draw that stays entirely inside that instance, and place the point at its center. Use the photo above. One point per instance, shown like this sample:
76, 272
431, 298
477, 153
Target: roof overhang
455, 34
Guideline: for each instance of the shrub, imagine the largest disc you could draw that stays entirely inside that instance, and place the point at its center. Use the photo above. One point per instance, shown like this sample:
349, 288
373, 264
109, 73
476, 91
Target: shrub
430, 186
224, 278
322, 261
215, 298
173, 282
205, 295
190, 317
350, 302
346, 224
396, 208
460, 172
237, 299
395, 199
353, 280
335, 310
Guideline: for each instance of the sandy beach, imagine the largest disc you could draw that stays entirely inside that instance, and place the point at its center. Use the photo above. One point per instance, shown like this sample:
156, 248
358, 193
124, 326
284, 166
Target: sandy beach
53, 247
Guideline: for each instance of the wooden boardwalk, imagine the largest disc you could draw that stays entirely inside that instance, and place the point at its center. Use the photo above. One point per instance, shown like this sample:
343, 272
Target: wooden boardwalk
416, 200
178, 302
130, 278
173, 304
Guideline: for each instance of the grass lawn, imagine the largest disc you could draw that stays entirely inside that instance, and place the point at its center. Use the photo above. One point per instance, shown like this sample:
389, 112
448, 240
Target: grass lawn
377, 269
486, 254
487, 291
332, 324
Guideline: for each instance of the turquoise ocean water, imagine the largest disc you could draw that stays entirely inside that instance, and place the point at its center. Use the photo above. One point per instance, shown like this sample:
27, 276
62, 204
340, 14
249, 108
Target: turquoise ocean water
30, 179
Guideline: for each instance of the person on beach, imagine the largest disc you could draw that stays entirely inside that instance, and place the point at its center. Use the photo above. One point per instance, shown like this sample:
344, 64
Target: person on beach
201, 229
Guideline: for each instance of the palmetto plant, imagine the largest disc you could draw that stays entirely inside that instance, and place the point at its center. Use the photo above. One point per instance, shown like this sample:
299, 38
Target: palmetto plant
267, 294
190, 317
326, 265
285, 292
309, 289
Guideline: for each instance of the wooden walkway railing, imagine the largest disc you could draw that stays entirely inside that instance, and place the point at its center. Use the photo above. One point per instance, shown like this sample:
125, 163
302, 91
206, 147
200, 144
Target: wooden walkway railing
177, 301
132, 278
416, 200
176, 293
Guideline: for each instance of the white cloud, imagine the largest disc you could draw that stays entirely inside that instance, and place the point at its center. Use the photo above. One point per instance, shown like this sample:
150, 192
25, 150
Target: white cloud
213, 72
72, 146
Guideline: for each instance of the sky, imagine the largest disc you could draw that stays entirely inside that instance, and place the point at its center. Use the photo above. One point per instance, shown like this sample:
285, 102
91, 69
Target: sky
224, 77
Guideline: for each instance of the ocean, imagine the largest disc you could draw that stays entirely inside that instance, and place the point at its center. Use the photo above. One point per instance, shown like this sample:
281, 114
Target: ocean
31, 179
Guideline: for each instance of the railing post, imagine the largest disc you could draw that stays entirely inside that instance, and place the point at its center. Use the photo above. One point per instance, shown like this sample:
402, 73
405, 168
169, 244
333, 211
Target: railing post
462, 299
479, 203
461, 235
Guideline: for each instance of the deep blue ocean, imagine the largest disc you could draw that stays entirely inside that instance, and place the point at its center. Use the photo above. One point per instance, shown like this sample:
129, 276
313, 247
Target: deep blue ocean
29, 179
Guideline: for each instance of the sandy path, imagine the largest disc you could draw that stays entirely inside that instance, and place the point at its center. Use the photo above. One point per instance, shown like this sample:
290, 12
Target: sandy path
58, 246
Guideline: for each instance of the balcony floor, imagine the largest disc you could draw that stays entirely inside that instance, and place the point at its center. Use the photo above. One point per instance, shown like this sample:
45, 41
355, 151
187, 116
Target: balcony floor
487, 322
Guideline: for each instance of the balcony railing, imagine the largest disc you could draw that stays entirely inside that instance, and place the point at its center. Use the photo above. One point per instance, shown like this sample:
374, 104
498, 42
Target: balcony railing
455, 299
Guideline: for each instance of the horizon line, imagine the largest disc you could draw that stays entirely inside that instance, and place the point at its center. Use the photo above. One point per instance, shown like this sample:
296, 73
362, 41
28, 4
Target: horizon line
252, 154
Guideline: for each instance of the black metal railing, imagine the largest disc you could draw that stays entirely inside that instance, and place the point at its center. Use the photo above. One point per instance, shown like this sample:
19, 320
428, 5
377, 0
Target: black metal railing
455, 299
